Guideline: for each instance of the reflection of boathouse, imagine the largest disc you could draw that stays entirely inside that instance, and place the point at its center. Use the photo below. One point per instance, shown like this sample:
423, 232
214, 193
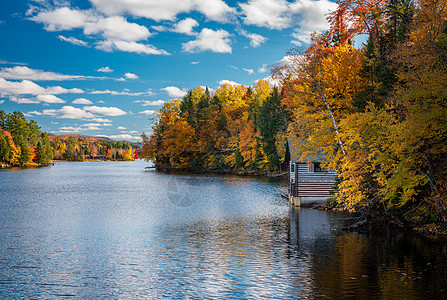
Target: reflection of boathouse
309, 183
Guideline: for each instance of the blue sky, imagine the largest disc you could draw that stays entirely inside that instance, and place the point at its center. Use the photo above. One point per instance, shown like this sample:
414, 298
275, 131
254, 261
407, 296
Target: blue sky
102, 67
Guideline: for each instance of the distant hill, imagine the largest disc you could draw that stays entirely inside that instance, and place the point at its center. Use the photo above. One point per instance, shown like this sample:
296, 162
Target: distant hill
52, 136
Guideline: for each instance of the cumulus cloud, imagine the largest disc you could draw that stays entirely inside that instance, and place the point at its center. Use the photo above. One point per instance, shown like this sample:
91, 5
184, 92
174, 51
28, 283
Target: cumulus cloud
121, 128
105, 70
249, 71
174, 91
194, 63
209, 40
148, 112
131, 76
117, 28
26, 87
87, 112
73, 41
132, 47
309, 15
312, 17
22, 72
185, 26
256, 40
106, 111
124, 92
115, 31
263, 69
63, 18
66, 112
150, 103
272, 14
82, 101
124, 136
225, 81
216, 10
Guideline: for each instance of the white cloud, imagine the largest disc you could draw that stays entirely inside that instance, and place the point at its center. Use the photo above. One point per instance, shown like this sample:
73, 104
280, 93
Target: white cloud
73, 41
222, 82
151, 9
83, 127
101, 120
115, 31
66, 112
22, 72
82, 101
117, 28
216, 10
131, 76
174, 91
272, 14
209, 40
263, 69
49, 99
87, 112
63, 18
148, 112
121, 128
307, 15
23, 100
256, 40
123, 136
5, 62
133, 132
249, 71
132, 47
26, 87
97, 124
124, 92
195, 63
105, 70
2, 101
106, 111
150, 103
186, 26
312, 17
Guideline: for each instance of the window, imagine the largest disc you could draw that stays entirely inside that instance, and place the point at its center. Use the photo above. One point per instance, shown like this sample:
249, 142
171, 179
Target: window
292, 167
318, 168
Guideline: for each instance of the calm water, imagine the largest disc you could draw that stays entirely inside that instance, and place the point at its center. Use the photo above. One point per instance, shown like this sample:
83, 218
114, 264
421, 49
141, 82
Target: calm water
114, 230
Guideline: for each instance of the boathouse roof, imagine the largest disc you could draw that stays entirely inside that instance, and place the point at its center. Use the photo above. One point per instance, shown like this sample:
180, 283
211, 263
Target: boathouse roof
294, 143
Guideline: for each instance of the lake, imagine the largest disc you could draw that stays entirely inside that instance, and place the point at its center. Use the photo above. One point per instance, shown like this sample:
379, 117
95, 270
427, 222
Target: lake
115, 230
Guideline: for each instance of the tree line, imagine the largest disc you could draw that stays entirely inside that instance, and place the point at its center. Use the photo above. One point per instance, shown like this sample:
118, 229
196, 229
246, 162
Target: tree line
377, 113
237, 128
21, 141
73, 148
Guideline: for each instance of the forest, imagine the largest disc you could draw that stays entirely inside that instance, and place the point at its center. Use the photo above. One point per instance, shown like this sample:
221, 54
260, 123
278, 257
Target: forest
72, 148
21, 141
23, 144
377, 113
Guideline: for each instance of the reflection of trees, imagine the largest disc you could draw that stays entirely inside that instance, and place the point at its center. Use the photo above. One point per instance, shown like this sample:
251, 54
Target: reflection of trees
381, 266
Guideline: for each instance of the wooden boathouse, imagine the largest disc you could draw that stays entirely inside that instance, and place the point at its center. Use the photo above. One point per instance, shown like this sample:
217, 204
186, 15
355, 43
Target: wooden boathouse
309, 183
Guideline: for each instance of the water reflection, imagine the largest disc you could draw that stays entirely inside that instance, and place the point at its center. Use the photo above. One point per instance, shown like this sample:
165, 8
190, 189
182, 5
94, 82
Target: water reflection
79, 230
379, 265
